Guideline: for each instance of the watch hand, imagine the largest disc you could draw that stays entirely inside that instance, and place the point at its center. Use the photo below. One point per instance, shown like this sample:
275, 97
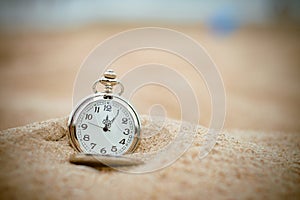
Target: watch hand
95, 125
105, 121
115, 117
107, 124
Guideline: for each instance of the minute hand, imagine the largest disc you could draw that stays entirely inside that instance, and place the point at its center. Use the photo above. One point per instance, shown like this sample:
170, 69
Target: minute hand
115, 117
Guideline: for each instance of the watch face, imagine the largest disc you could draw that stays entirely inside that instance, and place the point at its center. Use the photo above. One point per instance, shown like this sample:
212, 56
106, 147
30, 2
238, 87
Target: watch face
105, 125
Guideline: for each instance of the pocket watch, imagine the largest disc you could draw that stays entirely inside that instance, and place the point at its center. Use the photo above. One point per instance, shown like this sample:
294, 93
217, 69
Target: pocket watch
104, 123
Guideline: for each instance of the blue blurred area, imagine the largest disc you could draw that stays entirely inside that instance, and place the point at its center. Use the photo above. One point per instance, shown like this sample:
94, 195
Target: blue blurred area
224, 21
222, 15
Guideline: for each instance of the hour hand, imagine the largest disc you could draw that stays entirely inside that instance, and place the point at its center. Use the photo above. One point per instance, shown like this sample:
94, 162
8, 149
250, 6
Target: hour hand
106, 121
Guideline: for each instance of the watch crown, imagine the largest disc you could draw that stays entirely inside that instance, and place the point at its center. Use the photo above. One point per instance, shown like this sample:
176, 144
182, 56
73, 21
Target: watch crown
108, 80
110, 74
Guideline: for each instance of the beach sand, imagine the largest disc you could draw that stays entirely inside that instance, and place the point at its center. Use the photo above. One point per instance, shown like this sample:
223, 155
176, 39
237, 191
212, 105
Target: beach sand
242, 165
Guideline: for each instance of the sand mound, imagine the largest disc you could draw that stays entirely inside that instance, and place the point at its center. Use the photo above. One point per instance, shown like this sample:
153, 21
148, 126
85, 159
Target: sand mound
243, 165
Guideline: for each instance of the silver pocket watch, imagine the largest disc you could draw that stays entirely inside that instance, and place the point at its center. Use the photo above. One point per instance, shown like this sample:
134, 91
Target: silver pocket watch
104, 123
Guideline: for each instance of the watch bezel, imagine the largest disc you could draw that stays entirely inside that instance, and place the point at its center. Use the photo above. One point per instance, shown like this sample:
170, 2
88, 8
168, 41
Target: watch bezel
95, 97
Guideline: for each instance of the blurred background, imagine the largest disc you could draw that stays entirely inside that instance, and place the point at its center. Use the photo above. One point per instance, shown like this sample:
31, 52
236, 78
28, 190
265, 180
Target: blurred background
255, 44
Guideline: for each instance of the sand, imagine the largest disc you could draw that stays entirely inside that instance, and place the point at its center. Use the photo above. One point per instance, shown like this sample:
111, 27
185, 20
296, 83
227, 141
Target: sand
242, 165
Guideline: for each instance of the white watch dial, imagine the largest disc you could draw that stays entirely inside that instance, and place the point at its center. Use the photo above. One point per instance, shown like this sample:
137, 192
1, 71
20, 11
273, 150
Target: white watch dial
105, 126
